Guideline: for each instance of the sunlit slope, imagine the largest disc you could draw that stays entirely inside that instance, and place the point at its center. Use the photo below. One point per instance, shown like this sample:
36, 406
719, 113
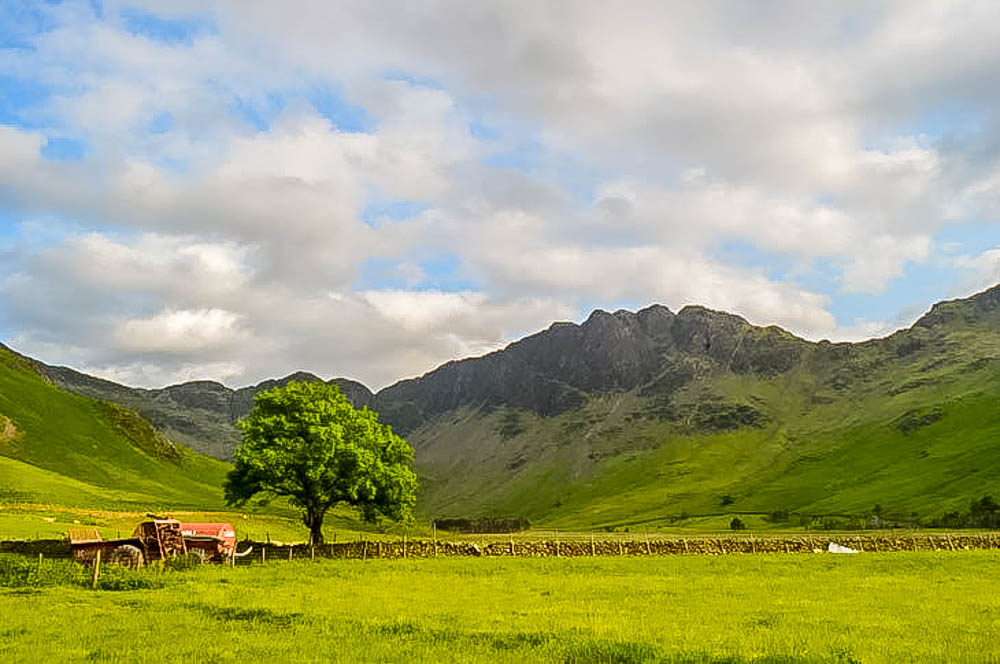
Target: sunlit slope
911, 422
66, 449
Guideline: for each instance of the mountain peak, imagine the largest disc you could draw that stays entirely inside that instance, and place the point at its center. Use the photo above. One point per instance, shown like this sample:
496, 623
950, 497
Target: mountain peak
966, 310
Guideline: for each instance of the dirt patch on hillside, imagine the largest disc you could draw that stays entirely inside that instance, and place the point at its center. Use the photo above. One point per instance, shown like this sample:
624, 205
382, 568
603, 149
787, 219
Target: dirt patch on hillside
7, 430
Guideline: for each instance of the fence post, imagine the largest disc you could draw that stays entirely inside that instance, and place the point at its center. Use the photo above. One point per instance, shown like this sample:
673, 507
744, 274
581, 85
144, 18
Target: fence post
364, 551
593, 551
312, 552
263, 554
434, 528
97, 569
620, 552
512, 544
290, 554
646, 535
404, 546
555, 535
39, 572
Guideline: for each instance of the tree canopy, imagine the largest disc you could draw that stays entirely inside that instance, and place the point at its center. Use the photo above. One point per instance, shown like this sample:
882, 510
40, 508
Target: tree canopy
306, 442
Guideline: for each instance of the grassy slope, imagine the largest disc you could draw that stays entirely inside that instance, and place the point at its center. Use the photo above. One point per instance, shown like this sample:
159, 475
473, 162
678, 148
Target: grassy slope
908, 607
72, 463
836, 442
67, 452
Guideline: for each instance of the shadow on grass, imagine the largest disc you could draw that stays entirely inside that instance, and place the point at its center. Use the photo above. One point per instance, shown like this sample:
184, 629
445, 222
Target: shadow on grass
627, 652
492, 640
257, 616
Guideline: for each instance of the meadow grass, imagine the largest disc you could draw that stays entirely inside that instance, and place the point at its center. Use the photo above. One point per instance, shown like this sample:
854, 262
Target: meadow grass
277, 524
899, 607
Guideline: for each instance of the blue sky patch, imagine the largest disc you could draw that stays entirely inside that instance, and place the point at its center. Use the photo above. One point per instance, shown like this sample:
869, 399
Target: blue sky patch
395, 210
161, 123
21, 21
9, 225
438, 273
259, 112
171, 31
948, 118
414, 80
64, 149
524, 157
344, 115
17, 96
444, 273
483, 131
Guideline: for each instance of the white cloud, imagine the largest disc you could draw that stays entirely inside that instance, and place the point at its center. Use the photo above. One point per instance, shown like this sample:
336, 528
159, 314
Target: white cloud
180, 332
982, 271
657, 133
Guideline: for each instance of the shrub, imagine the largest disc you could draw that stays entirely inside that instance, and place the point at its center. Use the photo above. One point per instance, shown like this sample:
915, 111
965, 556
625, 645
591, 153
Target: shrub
182, 563
778, 516
24, 572
737, 524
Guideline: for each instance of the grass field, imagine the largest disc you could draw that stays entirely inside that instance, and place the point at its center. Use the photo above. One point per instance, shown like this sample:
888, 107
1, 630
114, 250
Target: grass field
908, 607
277, 524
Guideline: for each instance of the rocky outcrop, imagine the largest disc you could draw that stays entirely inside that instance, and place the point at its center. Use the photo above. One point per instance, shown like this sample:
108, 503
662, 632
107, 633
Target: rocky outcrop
7, 429
555, 370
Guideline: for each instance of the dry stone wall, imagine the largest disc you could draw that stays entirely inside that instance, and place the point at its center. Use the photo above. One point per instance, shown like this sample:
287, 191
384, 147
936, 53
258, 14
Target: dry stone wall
50, 548
426, 548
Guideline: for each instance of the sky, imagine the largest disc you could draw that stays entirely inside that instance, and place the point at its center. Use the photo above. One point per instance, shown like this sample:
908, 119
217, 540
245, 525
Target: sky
236, 190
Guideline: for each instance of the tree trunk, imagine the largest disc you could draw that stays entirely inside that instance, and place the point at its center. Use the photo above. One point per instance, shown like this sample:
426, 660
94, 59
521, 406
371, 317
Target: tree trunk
314, 522
316, 532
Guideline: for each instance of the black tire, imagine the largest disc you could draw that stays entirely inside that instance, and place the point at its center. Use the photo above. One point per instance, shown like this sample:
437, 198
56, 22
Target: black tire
126, 555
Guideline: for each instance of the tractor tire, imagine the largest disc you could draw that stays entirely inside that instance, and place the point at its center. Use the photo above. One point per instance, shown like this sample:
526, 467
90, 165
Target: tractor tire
126, 555
200, 554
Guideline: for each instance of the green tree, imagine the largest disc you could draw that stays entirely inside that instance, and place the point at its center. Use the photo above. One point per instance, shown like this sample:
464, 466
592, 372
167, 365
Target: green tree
985, 512
306, 442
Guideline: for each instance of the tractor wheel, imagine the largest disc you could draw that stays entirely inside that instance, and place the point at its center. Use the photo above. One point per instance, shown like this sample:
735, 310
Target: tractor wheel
126, 555
200, 554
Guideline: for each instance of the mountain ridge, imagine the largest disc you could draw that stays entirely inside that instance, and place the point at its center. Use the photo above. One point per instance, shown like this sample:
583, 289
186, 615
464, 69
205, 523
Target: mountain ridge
550, 391
647, 415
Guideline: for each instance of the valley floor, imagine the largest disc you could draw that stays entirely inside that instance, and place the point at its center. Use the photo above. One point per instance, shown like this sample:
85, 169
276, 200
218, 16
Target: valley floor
888, 607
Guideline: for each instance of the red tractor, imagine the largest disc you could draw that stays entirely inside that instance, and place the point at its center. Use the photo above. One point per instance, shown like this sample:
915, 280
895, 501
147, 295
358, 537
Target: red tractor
157, 539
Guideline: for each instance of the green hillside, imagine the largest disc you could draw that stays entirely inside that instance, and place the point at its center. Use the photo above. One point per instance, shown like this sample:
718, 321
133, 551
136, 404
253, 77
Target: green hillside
911, 423
59, 448
629, 420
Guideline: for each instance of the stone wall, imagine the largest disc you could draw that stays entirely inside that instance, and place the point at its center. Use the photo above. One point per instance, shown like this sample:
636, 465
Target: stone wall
426, 548
712, 546
50, 548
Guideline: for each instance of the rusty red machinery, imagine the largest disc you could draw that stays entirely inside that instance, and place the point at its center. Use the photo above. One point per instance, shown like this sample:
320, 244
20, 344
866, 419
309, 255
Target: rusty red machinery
213, 542
157, 539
